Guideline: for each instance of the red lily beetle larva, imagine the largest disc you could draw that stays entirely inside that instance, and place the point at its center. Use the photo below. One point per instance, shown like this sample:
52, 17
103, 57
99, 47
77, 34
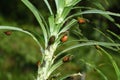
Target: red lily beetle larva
8, 33
66, 59
64, 38
81, 20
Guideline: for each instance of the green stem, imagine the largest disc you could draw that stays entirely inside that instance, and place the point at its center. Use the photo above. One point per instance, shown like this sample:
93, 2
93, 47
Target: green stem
47, 62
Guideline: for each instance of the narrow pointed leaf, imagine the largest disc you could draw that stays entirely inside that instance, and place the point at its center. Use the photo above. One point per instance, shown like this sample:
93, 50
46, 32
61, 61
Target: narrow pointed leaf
94, 67
48, 5
115, 35
37, 16
63, 15
60, 4
69, 25
93, 12
51, 23
71, 2
55, 66
117, 70
102, 8
104, 35
87, 44
21, 30
100, 12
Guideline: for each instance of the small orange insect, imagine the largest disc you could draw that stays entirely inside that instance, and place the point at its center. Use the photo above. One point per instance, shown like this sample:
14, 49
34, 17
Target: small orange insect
66, 59
64, 38
8, 33
81, 20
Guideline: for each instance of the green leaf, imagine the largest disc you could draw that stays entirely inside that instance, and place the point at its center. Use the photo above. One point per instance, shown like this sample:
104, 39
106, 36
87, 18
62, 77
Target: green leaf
83, 7
37, 16
94, 67
44, 22
100, 12
75, 2
90, 8
113, 49
63, 9
66, 11
60, 4
102, 8
109, 17
84, 40
71, 2
21, 30
118, 25
87, 44
48, 5
68, 26
104, 35
99, 5
93, 12
107, 3
61, 17
117, 70
115, 35
51, 24
55, 66
71, 78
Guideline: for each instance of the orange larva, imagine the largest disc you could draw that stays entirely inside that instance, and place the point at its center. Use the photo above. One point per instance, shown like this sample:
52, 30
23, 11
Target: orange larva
66, 59
8, 33
64, 38
81, 20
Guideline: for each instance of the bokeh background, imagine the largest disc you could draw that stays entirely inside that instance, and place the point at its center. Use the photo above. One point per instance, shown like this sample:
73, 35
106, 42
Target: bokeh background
19, 53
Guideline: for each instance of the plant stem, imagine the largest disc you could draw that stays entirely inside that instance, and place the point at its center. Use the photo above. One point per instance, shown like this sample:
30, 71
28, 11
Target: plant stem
47, 62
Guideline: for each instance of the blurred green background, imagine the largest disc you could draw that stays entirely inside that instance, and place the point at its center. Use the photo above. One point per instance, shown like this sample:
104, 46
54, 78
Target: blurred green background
19, 53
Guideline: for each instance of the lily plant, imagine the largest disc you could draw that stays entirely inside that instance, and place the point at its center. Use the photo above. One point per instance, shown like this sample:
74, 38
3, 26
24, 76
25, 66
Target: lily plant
56, 30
